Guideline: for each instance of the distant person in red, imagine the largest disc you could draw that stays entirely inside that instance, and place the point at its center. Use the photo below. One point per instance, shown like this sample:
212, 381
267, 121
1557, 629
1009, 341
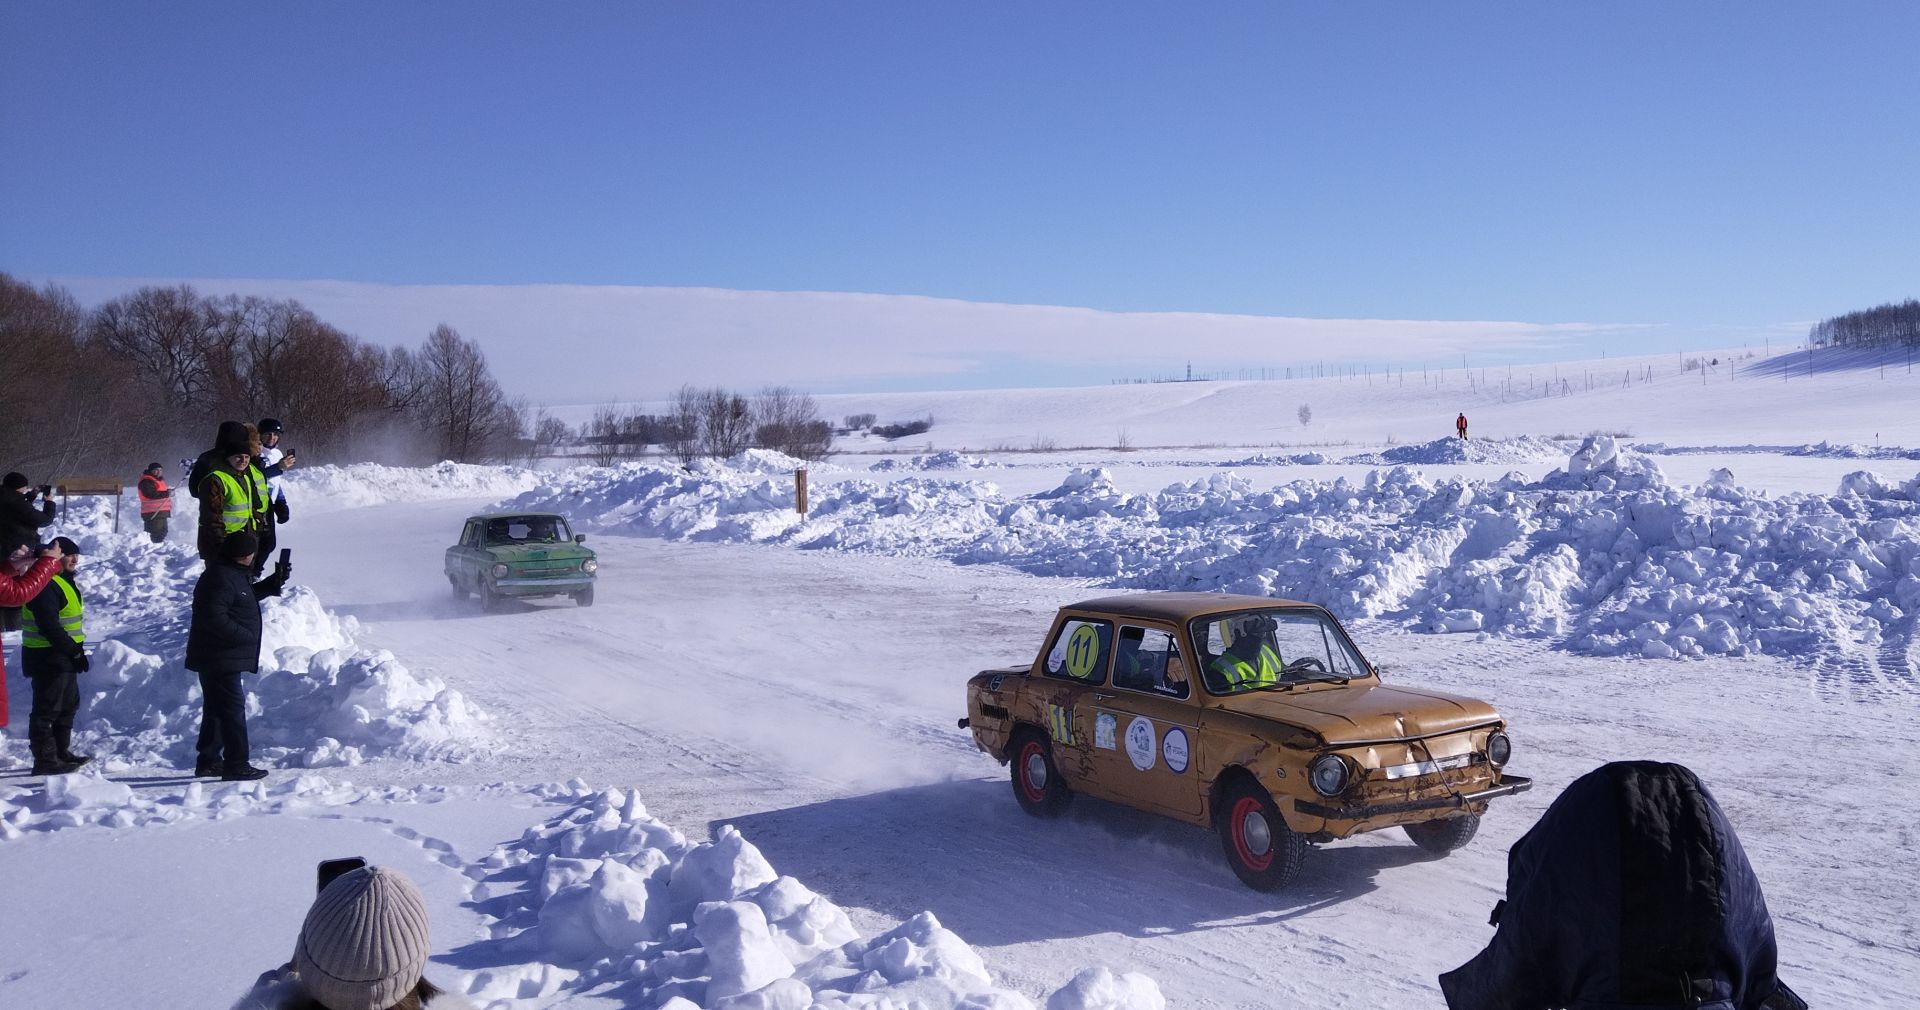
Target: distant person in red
1460, 425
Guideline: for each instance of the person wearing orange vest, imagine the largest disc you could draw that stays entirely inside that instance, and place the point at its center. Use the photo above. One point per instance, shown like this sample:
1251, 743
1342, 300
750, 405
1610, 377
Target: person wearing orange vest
1460, 425
156, 502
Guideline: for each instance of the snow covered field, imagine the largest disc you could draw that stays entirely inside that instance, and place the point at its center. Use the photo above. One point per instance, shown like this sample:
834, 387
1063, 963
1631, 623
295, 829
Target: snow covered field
754, 696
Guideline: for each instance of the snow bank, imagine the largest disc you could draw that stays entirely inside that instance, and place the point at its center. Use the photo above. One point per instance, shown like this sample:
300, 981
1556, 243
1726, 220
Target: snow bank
609, 899
1823, 450
1448, 451
361, 484
948, 460
85, 799
320, 699
1605, 556
1289, 459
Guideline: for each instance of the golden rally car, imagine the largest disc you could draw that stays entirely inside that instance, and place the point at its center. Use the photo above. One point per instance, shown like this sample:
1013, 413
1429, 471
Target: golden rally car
1253, 715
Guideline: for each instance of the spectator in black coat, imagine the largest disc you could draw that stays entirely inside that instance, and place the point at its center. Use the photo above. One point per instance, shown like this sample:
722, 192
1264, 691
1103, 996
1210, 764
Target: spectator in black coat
223, 644
20, 522
1632, 890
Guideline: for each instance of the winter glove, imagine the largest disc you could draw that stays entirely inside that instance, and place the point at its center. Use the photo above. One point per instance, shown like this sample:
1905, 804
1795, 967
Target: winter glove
273, 584
281, 513
81, 663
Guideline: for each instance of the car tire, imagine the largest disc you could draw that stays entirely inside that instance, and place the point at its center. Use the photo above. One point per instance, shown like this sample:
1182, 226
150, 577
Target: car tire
584, 597
1037, 784
1444, 835
1265, 854
454, 584
489, 600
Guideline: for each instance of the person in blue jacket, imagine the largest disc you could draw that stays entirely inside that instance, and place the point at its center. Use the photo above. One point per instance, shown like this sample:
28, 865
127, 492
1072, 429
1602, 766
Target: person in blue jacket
1631, 891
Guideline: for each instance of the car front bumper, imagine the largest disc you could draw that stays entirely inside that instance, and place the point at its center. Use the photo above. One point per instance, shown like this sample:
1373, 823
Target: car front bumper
542, 587
1509, 784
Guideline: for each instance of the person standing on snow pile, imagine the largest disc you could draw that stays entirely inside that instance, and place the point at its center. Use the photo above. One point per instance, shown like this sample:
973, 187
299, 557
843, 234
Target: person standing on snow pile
223, 645
53, 655
233, 495
1460, 425
363, 946
22, 577
1632, 890
273, 462
156, 501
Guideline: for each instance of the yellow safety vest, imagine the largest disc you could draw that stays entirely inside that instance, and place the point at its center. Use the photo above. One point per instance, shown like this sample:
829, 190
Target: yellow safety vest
71, 619
1239, 673
244, 509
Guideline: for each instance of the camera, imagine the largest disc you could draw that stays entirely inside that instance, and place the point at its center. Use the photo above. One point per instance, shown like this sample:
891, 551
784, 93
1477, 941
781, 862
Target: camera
331, 869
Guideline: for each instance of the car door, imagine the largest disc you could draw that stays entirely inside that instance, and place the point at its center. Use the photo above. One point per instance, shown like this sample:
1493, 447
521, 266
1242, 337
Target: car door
1073, 673
468, 555
1145, 724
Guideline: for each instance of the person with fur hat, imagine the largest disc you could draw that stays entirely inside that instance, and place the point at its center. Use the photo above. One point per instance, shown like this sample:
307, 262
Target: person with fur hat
53, 655
363, 946
233, 493
22, 577
223, 645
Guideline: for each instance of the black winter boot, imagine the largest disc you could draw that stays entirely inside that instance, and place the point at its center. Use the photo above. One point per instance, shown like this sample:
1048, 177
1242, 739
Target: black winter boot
242, 773
46, 759
63, 748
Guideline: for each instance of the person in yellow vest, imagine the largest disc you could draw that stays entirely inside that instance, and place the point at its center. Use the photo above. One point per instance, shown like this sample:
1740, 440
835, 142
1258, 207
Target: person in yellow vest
233, 495
1249, 661
156, 501
53, 655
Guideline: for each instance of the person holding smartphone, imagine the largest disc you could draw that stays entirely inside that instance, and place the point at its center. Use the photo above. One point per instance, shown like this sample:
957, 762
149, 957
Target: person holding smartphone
20, 520
22, 577
223, 646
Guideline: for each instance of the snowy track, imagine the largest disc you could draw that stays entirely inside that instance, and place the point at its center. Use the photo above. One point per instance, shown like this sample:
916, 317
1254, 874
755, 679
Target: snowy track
808, 698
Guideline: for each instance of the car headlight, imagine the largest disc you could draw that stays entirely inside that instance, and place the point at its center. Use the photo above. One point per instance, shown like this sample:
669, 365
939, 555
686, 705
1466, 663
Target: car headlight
1328, 775
1499, 748
589, 566
500, 571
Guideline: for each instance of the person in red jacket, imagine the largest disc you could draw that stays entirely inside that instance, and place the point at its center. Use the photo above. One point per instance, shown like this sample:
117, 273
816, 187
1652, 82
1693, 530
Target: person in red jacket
22, 576
1460, 425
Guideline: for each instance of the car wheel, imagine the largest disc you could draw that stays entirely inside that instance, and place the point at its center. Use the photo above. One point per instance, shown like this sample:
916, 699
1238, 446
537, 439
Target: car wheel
489, 600
1445, 835
1265, 854
584, 597
454, 584
1036, 779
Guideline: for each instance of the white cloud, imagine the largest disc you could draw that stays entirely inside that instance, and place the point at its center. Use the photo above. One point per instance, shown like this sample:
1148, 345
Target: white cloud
575, 343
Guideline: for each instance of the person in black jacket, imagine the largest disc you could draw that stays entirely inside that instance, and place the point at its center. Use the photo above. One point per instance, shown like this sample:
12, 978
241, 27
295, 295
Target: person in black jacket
223, 644
53, 656
1632, 890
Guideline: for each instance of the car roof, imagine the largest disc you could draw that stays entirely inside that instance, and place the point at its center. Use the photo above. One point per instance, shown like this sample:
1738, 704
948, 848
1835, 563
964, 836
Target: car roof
1178, 607
515, 515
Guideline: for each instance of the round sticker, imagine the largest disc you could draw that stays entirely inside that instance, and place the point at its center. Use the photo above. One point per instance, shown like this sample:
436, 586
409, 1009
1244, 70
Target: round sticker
1174, 746
1082, 648
1140, 743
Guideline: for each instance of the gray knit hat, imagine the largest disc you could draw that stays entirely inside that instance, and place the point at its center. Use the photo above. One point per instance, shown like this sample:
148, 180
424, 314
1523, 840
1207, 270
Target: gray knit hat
364, 944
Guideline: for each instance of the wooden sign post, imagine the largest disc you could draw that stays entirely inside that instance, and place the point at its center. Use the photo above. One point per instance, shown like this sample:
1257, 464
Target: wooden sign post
800, 491
72, 486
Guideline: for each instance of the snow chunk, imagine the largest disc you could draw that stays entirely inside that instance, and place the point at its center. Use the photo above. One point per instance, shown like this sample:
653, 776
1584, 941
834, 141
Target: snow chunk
1101, 989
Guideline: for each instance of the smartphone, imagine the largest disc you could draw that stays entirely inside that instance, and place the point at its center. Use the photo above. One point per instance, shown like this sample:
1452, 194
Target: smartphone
330, 869
286, 555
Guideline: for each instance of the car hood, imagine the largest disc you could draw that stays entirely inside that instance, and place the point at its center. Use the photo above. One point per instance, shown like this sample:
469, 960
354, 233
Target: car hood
538, 552
1365, 712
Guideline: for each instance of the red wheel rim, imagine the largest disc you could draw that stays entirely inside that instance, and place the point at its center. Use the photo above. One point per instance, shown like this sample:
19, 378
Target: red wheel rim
1247, 807
1032, 792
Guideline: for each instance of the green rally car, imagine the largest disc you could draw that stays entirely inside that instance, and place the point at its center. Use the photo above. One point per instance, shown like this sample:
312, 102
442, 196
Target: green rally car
521, 555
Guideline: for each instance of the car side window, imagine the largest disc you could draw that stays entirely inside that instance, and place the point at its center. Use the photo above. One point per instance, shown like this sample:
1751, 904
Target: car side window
1146, 659
1344, 662
1080, 651
470, 537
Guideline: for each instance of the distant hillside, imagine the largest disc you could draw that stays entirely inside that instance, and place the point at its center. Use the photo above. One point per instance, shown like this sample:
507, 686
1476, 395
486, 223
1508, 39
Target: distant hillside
1888, 325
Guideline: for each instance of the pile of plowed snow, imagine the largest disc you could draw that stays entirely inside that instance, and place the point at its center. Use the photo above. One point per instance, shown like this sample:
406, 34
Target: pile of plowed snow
361, 484
948, 460
1605, 556
319, 699
1822, 450
1450, 451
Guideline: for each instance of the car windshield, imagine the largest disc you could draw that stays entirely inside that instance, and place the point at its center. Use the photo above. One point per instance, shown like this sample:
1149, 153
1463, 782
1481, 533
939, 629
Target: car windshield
527, 530
1254, 650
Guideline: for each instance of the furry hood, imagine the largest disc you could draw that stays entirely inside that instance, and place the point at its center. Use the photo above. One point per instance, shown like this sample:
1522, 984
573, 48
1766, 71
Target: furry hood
276, 991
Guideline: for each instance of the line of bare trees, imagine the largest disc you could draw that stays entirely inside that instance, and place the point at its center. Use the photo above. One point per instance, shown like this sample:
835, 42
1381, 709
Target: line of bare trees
712, 421
1889, 325
149, 374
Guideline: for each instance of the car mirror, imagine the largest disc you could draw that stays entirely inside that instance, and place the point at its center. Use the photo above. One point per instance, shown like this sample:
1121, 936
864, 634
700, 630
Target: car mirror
579, 538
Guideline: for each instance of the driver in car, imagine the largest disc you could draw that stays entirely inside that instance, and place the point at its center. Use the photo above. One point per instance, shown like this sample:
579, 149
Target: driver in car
1250, 661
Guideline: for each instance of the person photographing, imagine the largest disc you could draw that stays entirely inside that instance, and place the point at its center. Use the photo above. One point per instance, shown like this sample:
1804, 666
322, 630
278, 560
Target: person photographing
22, 577
223, 645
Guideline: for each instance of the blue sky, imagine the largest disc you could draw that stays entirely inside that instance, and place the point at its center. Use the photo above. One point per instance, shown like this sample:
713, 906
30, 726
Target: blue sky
1694, 169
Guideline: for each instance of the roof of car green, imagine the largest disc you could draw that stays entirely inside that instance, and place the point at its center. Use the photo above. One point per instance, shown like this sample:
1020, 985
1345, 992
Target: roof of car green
1177, 606
514, 515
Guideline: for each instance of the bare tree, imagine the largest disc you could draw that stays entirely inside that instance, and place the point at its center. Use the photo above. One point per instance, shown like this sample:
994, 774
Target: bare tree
684, 417
726, 423
786, 420
167, 335
602, 433
1305, 413
459, 401
67, 404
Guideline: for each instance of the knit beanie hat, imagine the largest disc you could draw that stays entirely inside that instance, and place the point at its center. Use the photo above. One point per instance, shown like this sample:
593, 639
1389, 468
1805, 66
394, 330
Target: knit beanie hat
153, 467
239, 544
232, 439
13, 480
364, 944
